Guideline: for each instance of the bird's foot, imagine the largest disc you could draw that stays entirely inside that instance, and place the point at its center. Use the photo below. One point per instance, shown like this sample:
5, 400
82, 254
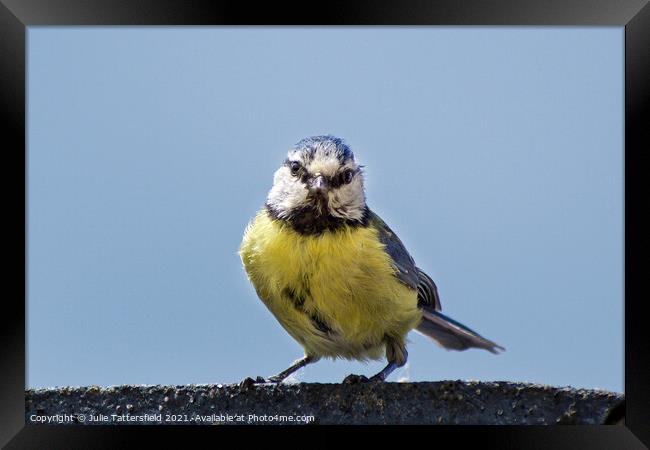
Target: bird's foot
274, 379
356, 379
249, 382
379, 377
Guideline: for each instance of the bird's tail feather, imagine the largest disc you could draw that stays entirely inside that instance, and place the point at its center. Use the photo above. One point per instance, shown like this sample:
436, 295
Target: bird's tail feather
451, 334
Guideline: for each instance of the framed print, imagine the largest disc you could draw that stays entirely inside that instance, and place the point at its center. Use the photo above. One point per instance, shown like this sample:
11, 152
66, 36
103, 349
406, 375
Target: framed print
282, 215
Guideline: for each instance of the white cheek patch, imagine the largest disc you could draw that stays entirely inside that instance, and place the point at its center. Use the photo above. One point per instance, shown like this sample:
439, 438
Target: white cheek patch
287, 192
348, 201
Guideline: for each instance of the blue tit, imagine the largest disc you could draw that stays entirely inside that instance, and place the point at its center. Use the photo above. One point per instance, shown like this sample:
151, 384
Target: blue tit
334, 275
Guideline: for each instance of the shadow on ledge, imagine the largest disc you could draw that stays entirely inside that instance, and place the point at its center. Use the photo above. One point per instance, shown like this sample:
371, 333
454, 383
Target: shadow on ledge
443, 402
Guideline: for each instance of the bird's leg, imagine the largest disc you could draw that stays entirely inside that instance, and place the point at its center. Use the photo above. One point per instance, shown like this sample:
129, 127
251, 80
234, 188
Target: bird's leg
248, 381
396, 355
381, 376
291, 369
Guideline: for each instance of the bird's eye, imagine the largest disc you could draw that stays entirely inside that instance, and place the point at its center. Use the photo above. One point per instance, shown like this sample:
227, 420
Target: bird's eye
347, 176
295, 167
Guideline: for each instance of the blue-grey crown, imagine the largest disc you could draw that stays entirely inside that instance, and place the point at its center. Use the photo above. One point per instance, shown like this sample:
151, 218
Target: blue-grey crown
328, 143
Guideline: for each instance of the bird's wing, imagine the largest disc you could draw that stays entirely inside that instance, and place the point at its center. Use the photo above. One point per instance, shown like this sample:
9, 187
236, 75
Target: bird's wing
406, 270
428, 292
443, 329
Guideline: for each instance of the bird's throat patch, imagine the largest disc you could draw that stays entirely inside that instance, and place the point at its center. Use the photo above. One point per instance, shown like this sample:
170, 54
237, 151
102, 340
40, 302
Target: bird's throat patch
315, 219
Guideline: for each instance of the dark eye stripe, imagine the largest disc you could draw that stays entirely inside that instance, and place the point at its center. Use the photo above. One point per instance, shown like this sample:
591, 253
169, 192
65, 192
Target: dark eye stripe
342, 177
335, 181
294, 166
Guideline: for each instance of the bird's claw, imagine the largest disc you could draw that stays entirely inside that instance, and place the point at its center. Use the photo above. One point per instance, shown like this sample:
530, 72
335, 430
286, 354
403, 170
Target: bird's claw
246, 383
355, 379
249, 382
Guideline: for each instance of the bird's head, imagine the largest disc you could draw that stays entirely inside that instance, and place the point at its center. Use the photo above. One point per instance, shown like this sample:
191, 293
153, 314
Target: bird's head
319, 186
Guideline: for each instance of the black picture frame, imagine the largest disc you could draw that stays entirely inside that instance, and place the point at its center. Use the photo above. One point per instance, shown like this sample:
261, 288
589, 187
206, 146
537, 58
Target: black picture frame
634, 15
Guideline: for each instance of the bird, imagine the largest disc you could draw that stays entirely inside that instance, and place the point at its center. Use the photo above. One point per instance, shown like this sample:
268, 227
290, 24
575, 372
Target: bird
335, 276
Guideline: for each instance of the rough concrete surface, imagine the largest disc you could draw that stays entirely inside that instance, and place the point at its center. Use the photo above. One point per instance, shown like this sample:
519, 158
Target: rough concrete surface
443, 402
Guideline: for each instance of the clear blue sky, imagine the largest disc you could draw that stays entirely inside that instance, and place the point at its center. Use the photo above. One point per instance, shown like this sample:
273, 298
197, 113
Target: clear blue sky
496, 154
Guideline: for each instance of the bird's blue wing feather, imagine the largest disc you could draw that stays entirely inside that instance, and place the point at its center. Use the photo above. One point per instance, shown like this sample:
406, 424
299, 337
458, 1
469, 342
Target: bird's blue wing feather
403, 262
406, 270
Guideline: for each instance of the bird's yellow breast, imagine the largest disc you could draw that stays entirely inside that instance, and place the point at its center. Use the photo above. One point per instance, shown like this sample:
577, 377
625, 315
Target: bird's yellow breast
336, 293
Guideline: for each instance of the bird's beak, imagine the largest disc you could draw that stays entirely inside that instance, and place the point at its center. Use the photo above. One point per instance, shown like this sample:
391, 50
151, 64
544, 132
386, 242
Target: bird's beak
318, 185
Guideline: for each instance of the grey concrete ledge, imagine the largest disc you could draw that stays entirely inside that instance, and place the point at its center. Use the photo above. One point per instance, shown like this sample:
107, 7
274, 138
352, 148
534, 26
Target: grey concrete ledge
443, 402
